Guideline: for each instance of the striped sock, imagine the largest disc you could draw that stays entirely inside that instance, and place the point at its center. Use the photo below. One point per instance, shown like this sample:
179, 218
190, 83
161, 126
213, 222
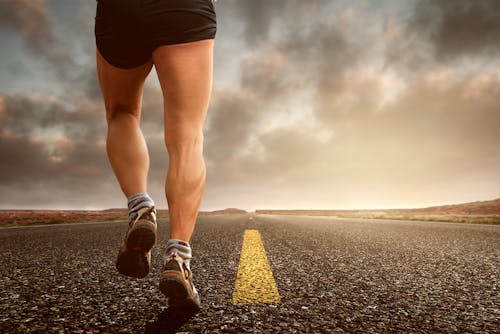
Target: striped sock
182, 247
137, 202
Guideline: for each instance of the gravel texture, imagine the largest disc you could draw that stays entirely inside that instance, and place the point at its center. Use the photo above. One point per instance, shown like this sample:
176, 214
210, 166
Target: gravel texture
333, 275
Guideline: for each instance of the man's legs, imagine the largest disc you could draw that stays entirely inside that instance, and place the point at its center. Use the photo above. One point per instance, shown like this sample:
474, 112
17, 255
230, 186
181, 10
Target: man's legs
185, 74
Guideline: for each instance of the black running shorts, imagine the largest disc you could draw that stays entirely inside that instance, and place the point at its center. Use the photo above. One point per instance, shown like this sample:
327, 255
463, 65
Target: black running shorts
128, 31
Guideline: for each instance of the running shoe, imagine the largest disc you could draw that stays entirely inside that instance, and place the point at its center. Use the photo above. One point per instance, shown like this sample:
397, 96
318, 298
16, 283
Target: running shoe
176, 282
134, 258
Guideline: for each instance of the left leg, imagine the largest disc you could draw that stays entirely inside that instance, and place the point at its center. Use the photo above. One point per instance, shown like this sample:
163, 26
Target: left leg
128, 155
125, 144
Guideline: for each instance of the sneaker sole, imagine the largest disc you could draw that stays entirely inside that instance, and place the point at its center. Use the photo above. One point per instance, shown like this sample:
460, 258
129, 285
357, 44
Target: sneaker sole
177, 288
142, 237
134, 260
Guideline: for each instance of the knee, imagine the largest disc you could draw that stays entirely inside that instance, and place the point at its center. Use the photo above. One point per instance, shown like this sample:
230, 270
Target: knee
182, 138
118, 111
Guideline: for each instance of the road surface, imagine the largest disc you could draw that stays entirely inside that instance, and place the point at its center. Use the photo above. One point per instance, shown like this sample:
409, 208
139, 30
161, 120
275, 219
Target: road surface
332, 276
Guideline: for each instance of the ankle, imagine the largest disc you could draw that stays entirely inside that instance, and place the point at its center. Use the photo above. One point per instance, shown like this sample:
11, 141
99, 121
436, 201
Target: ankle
182, 247
138, 201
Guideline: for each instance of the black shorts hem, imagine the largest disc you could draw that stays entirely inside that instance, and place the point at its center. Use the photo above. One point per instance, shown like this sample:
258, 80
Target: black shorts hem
130, 64
196, 38
126, 65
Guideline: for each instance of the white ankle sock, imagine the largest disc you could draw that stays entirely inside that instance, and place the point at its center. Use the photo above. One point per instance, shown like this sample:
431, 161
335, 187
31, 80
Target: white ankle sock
137, 202
182, 247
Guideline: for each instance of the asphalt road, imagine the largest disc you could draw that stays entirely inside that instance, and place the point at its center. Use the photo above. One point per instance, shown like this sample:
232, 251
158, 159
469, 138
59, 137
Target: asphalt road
333, 276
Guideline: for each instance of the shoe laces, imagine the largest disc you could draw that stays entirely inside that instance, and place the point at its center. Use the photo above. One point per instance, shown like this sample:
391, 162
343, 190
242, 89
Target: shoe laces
173, 256
147, 210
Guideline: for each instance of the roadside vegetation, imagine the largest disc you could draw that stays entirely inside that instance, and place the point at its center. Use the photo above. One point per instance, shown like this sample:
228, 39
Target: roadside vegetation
42, 217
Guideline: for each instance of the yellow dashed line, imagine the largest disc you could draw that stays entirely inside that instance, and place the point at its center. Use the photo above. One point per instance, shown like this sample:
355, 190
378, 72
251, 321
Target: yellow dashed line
254, 281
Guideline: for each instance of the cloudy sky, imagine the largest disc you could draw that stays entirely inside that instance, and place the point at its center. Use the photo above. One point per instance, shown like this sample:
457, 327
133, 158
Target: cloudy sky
316, 104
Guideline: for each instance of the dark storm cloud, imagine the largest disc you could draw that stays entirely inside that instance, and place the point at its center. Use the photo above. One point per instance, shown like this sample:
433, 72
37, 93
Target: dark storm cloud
262, 14
307, 54
31, 18
465, 28
260, 17
445, 31
49, 145
54, 143
233, 115
324, 58
41, 141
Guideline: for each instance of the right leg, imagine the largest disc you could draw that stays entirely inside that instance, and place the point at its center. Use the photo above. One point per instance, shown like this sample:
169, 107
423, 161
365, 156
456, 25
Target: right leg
185, 74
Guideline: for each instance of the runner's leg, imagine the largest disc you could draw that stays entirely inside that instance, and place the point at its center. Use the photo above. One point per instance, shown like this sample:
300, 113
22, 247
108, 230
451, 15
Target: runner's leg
128, 155
126, 147
185, 74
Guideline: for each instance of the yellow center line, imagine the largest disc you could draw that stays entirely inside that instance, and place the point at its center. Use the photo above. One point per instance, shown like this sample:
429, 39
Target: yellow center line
254, 281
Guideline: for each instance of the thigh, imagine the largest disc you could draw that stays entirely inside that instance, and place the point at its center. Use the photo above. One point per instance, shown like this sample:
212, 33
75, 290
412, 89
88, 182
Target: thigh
185, 75
121, 88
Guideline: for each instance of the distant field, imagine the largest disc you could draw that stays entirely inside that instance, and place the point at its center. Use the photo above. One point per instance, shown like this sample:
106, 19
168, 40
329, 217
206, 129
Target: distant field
34, 217
37, 217
470, 219
481, 212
